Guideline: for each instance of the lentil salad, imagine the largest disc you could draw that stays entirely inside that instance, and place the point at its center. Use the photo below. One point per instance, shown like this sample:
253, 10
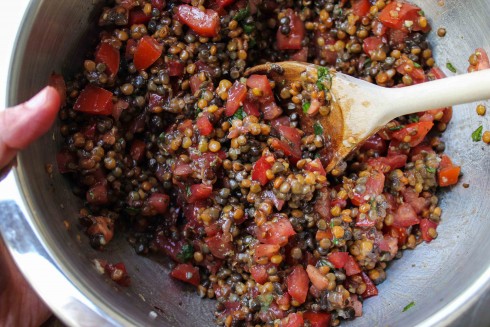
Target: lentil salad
164, 133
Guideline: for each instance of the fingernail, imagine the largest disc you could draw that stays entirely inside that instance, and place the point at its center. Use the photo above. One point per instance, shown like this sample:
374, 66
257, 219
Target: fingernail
38, 100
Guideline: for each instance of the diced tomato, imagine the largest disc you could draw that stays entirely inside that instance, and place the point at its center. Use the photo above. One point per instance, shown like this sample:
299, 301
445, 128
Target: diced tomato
389, 244
186, 273
411, 197
482, 61
137, 150
292, 139
130, 48
236, 96
292, 41
357, 305
338, 259
300, 55
378, 28
97, 194
63, 159
318, 319
402, 15
371, 289
251, 107
405, 216
387, 164
372, 44
298, 283
259, 170
413, 133
375, 143
397, 37
220, 245
265, 250
159, 4
374, 186
199, 192
204, 23
448, 173
262, 83
58, 82
137, 16
118, 108
175, 68
425, 225
271, 110
360, 7
292, 320
407, 67
117, 272
316, 166
275, 232
400, 233
204, 125
284, 299
259, 273
159, 202
94, 100
319, 280
147, 52
351, 266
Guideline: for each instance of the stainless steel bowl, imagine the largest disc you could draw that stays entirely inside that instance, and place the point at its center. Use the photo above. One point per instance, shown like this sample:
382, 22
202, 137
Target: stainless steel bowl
448, 280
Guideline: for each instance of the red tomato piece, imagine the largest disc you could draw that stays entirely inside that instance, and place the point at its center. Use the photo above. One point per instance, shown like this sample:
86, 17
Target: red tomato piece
425, 225
220, 245
292, 41
300, 55
402, 15
271, 110
407, 67
448, 176
97, 194
318, 280
137, 150
204, 23
413, 133
387, 164
159, 202
63, 159
371, 289
292, 320
374, 186
159, 4
175, 68
351, 266
251, 107
236, 96
186, 273
265, 250
259, 273
371, 44
259, 171
199, 192
316, 166
482, 61
275, 232
94, 100
338, 259
262, 83
317, 319
147, 52
375, 143
298, 283
204, 125
292, 139
405, 216
360, 7
137, 16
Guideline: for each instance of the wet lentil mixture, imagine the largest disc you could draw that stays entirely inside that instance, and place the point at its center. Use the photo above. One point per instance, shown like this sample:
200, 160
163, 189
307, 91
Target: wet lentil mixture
164, 133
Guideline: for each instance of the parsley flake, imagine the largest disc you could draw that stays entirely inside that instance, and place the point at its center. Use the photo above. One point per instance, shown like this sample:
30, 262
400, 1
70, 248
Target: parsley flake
477, 134
396, 128
318, 128
324, 77
186, 253
265, 301
413, 119
408, 306
306, 107
430, 170
450, 67
242, 14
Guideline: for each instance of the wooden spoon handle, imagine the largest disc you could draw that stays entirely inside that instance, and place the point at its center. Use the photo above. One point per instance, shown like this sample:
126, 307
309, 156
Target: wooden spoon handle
437, 94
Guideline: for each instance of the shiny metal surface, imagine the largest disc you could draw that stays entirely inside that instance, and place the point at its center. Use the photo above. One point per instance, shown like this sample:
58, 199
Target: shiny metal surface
446, 279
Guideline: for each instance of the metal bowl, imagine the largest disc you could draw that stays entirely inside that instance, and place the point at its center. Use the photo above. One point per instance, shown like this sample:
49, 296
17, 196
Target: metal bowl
448, 280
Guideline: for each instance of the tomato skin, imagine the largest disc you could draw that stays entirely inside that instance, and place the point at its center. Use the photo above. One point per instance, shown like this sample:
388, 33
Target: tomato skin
251, 107
387, 164
175, 68
293, 40
317, 319
265, 250
259, 170
374, 186
159, 202
397, 14
276, 232
137, 150
338, 259
94, 100
137, 16
375, 143
448, 173
371, 44
203, 23
298, 283
147, 52
63, 159
320, 281
300, 55
293, 141
186, 273
407, 67
259, 273
371, 289
351, 266
482, 61
316, 166
292, 320
416, 131
204, 125
220, 245
159, 4
236, 96
262, 83
97, 194
199, 192
405, 216
425, 224
360, 7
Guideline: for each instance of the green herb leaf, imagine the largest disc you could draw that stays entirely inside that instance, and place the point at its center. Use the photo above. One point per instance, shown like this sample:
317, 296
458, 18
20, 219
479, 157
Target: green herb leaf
324, 77
421, 13
239, 114
318, 128
242, 14
450, 67
188, 190
336, 241
417, 65
367, 63
396, 128
431, 170
186, 253
265, 301
161, 137
306, 106
413, 119
248, 28
477, 134
408, 306
332, 224
321, 263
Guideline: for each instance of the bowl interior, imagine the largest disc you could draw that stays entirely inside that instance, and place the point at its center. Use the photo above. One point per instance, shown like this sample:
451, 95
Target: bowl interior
55, 36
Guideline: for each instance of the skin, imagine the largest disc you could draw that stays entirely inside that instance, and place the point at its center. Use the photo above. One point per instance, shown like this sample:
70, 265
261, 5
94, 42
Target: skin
20, 126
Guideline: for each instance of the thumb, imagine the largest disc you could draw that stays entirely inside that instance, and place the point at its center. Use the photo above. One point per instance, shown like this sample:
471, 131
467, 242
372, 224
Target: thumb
23, 124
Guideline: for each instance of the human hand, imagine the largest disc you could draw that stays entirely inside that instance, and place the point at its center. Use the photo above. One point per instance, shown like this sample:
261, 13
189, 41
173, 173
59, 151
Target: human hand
20, 126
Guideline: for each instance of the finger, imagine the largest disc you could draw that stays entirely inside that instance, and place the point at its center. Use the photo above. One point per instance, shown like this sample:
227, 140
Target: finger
23, 124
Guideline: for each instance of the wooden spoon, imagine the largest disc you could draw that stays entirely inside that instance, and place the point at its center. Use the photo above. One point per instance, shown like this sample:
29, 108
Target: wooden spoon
360, 109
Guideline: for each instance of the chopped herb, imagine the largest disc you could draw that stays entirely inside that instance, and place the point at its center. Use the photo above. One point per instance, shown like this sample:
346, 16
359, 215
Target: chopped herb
248, 28
477, 134
161, 137
91, 194
408, 306
321, 263
396, 128
413, 119
242, 14
306, 106
188, 190
336, 241
416, 65
367, 63
331, 224
450, 67
318, 128
431, 170
186, 253
317, 155
265, 301
421, 13
239, 114
324, 76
